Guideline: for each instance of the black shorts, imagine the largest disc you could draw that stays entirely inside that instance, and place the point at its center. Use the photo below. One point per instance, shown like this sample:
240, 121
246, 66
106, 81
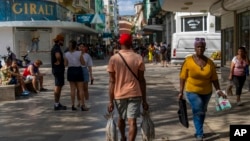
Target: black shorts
74, 74
59, 76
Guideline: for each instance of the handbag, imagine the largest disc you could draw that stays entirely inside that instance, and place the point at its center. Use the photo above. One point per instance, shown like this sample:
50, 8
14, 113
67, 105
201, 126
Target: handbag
128, 66
229, 87
182, 113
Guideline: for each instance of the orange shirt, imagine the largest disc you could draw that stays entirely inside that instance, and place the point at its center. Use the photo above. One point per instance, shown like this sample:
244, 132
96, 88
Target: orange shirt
126, 85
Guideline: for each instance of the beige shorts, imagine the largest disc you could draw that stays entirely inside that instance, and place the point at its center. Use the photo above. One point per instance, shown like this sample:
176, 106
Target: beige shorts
128, 108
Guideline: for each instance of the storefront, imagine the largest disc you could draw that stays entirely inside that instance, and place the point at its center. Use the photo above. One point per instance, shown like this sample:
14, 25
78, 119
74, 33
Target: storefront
30, 27
235, 25
244, 29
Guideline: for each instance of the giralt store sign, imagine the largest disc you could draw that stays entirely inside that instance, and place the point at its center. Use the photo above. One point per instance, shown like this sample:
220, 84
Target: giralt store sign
25, 10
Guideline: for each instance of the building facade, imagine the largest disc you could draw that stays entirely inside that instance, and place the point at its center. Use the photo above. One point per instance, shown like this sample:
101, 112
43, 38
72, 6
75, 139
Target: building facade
235, 26
22, 21
111, 30
234, 21
161, 24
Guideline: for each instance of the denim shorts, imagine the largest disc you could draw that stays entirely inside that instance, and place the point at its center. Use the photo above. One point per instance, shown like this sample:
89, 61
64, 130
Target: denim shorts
129, 107
85, 72
13, 81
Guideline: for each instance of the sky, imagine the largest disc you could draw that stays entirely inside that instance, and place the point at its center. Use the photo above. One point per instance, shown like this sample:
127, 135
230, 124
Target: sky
126, 7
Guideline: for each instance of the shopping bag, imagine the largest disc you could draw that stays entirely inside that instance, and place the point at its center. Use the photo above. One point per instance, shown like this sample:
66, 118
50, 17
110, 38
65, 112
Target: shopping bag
182, 113
111, 129
222, 104
147, 127
229, 89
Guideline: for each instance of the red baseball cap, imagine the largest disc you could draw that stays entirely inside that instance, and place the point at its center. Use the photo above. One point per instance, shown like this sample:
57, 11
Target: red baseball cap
126, 39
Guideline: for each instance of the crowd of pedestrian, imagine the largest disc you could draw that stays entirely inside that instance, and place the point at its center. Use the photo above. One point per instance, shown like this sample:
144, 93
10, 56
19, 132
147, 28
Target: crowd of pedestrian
127, 84
79, 64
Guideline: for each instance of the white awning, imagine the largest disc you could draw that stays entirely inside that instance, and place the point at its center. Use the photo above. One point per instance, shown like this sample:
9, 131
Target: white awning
187, 6
230, 5
73, 26
152, 28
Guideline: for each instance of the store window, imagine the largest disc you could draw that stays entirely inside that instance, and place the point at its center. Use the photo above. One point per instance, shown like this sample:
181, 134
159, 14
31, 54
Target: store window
227, 43
194, 24
244, 29
217, 24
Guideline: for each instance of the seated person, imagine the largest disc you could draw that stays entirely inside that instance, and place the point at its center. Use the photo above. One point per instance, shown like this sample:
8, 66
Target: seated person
32, 73
16, 77
10, 75
5, 72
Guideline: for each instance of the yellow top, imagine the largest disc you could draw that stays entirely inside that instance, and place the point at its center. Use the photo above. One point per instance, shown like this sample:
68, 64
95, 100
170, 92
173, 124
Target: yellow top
198, 80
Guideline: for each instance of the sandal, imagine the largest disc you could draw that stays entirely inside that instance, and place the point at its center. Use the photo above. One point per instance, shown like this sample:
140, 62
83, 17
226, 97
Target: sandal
84, 108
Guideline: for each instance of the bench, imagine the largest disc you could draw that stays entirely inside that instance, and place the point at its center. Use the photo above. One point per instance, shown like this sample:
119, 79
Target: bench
10, 92
7, 93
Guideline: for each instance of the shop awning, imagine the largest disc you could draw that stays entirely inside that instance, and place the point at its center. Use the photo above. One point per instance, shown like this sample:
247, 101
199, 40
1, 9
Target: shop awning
152, 28
187, 6
72, 26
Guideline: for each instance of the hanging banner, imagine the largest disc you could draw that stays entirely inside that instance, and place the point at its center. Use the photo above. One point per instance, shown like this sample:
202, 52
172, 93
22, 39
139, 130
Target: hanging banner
87, 18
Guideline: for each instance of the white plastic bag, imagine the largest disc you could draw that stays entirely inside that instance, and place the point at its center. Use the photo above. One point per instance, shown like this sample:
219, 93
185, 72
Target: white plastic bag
147, 127
222, 104
111, 130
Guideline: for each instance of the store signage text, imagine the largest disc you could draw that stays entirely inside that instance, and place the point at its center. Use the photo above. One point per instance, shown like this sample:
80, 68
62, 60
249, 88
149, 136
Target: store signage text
32, 9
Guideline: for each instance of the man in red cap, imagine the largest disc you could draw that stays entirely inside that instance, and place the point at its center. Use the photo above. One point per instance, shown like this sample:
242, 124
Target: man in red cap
127, 86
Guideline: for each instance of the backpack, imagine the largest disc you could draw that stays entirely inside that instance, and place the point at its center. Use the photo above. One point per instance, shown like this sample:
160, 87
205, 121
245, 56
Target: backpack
163, 49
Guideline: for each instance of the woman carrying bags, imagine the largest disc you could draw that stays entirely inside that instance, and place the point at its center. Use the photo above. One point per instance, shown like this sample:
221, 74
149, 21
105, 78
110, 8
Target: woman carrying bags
198, 74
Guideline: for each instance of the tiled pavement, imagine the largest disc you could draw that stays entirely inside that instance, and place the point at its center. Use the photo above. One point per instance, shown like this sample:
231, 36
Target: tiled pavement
33, 118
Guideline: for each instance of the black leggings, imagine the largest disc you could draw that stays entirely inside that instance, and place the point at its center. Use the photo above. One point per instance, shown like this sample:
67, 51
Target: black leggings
239, 83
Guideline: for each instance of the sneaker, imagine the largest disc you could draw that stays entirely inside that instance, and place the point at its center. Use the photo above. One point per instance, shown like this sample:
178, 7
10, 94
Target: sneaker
73, 108
43, 90
84, 108
25, 93
198, 138
60, 107
239, 103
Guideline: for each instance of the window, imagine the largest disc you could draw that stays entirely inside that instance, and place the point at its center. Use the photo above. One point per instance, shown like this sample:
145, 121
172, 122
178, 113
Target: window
227, 45
217, 23
194, 24
244, 29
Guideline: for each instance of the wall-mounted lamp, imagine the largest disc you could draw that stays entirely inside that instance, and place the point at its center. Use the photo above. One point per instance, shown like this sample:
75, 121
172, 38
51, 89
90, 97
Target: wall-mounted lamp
188, 3
184, 8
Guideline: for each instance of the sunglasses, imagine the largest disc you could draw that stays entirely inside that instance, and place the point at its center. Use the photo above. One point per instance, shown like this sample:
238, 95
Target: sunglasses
200, 39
